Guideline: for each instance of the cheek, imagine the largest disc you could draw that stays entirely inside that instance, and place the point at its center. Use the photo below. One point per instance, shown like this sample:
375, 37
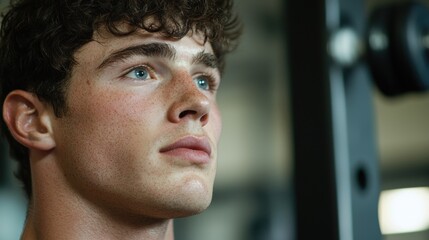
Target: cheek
107, 131
116, 109
109, 124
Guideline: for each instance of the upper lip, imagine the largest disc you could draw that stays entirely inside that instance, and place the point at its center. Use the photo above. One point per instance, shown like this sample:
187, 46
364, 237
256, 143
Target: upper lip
190, 142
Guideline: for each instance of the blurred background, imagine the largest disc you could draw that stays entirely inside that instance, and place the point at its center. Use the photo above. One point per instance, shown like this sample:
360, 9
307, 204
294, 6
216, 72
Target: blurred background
253, 198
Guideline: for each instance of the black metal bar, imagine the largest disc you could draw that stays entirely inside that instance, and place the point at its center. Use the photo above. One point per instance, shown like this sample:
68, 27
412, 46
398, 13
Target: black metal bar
314, 177
335, 164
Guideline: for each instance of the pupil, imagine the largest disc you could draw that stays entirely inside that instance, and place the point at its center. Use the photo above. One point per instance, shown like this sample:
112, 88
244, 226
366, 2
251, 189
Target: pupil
202, 83
140, 73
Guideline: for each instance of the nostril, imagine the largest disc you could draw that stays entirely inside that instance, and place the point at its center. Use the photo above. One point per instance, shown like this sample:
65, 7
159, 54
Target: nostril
187, 112
204, 118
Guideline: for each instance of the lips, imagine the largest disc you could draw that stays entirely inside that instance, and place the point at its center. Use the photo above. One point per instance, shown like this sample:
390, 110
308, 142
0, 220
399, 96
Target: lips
196, 150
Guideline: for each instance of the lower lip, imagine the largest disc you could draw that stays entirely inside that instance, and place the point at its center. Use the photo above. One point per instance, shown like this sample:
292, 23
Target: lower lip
191, 155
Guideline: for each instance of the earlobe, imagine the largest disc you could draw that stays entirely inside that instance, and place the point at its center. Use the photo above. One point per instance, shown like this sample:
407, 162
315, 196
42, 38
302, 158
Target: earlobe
28, 120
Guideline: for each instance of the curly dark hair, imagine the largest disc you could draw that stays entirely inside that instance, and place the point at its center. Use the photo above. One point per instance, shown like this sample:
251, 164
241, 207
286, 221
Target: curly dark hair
38, 39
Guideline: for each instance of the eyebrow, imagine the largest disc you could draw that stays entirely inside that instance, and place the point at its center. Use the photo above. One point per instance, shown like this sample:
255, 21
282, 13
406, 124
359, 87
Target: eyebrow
151, 50
162, 50
207, 59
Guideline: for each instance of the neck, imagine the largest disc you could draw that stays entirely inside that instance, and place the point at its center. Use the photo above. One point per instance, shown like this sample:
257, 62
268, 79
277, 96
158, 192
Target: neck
77, 224
56, 212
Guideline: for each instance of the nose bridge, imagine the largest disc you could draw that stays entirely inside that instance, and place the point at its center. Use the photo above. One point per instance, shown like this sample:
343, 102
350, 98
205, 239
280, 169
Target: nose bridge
189, 102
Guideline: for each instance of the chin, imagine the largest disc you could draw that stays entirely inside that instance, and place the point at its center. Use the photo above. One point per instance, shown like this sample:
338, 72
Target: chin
191, 209
193, 198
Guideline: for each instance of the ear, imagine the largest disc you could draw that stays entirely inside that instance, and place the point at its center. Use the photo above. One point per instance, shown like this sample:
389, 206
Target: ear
29, 120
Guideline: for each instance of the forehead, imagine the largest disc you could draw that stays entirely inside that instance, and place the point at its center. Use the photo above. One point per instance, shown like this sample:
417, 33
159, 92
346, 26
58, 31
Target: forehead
104, 44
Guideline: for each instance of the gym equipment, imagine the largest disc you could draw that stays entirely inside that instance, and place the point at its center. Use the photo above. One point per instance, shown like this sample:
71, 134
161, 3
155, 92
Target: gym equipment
335, 57
336, 172
397, 48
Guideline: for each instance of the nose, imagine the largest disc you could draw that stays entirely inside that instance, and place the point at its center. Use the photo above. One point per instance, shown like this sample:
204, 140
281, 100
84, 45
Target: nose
190, 103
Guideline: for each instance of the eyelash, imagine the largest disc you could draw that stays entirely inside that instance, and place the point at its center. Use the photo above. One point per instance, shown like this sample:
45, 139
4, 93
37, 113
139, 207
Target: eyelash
213, 86
148, 68
211, 79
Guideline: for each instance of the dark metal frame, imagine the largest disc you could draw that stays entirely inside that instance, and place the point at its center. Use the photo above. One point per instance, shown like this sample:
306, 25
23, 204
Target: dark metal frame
336, 175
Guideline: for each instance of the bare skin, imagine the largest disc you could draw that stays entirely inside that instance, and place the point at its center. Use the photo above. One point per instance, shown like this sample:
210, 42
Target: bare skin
136, 148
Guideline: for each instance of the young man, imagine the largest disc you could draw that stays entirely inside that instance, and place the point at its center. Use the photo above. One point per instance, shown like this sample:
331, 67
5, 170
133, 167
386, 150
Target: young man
110, 109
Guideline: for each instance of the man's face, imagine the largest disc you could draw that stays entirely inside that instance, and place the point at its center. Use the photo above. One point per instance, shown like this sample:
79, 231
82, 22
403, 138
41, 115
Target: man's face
142, 127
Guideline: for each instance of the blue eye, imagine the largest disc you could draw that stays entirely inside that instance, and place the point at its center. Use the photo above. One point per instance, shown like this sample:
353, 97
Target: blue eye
140, 73
203, 83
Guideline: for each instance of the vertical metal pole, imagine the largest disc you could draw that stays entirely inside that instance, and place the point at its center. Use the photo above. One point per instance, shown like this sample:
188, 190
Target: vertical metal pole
336, 166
